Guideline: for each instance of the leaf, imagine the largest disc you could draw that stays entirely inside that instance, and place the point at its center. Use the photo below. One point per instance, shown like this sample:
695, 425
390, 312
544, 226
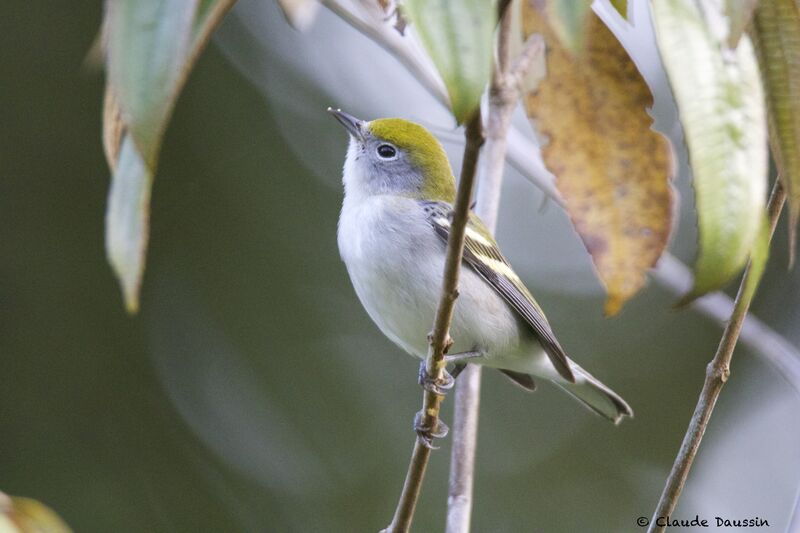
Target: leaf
24, 515
148, 45
758, 260
458, 35
569, 20
299, 13
721, 105
152, 46
611, 169
127, 220
739, 13
776, 36
209, 15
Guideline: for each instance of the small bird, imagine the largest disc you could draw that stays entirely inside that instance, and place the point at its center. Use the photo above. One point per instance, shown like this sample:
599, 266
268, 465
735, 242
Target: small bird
393, 229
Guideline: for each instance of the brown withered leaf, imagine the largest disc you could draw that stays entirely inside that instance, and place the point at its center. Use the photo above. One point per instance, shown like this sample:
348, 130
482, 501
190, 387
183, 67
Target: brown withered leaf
613, 172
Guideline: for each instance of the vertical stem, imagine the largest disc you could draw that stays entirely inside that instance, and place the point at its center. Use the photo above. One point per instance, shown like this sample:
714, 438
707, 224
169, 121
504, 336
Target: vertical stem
503, 96
717, 374
465, 444
440, 337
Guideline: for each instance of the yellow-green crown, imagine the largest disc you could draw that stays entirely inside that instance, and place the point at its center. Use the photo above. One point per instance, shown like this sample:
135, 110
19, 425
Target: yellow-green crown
426, 153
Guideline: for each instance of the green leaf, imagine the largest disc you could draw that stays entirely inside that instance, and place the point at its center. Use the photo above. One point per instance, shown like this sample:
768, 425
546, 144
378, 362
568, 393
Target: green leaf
568, 19
758, 260
458, 35
209, 15
721, 105
776, 34
148, 47
127, 220
152, 46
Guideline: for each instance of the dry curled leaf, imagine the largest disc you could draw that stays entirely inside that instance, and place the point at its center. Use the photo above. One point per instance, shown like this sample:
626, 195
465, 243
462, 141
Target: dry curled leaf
612, 170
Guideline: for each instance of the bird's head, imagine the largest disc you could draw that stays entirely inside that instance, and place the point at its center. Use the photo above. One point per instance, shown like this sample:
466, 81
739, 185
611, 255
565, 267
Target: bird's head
395, 156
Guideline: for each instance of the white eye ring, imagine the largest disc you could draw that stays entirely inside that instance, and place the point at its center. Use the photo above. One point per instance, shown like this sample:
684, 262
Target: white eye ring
386, 151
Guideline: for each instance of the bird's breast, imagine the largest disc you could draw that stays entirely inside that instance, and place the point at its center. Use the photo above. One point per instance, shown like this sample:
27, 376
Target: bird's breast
395, 263
396, 260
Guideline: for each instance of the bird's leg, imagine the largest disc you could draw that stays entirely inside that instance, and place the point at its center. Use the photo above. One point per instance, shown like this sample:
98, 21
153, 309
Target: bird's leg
431, 384
463, 357
457, 369
426, 432
441, 386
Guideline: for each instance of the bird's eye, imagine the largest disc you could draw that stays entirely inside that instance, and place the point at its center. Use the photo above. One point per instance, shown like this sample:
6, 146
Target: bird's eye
387, 151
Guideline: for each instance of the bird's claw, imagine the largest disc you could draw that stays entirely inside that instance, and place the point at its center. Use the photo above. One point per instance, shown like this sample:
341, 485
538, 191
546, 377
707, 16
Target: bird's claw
432, 384
427, 432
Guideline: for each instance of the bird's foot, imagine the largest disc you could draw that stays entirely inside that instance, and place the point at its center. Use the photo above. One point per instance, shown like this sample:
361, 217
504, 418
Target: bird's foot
432, 384
426, 431
458, 368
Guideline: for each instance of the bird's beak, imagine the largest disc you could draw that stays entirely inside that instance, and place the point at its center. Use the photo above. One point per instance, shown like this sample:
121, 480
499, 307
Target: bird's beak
353, 125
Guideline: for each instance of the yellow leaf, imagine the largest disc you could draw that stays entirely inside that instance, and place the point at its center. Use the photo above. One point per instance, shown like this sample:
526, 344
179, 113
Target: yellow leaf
24, 515
612, 170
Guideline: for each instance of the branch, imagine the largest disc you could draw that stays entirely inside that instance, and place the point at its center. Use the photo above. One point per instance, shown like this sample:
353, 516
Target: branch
717, 374
504, 93
794, 520
373, 25
440, 338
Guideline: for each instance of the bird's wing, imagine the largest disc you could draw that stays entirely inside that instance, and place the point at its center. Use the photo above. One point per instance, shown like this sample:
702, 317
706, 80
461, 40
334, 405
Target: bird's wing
483, 255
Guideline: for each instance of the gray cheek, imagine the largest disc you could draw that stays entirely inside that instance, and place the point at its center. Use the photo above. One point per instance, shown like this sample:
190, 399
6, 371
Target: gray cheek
394, 178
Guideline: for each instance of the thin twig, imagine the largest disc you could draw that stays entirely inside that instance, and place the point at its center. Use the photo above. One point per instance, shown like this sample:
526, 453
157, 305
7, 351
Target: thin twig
717, 374
462, 454
440, 339
794, 519
504, 93
388, 38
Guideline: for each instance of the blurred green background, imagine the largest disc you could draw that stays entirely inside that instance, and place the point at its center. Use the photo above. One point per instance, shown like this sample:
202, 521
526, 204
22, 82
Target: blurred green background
252, 393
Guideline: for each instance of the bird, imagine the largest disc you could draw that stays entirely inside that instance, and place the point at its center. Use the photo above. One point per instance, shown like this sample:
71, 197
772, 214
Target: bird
399, 192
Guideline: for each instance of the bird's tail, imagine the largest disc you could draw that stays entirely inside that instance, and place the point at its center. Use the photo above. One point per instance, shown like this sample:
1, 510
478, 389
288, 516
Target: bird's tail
596, 396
